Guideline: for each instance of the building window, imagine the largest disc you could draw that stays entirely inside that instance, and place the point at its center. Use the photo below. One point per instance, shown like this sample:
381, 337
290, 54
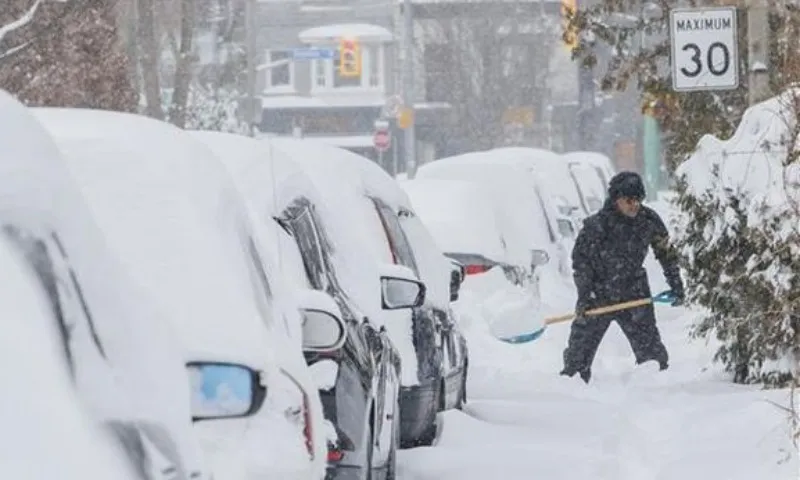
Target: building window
320, 73
375, 66
281, 71
325, 73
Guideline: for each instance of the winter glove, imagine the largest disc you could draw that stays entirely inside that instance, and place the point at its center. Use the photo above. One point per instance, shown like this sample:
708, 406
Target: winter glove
678, 296
582, 305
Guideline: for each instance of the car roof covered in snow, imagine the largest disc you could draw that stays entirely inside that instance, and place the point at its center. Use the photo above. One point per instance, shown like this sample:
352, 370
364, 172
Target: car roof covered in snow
518, 210
458, 214
548, 167
172, 214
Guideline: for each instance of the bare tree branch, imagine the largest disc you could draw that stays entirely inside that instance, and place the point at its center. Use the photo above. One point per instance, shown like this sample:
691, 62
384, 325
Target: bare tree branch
21, 22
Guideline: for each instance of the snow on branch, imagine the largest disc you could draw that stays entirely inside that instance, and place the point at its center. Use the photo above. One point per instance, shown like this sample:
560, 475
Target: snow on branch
25, 19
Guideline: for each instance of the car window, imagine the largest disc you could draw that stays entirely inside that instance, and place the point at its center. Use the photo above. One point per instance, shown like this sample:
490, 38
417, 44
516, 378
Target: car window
301, 226
292, 267
550, 231
398, 242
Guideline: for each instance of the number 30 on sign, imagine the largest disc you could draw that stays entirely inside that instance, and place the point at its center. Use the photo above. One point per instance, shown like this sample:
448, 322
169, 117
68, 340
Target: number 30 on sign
704, 49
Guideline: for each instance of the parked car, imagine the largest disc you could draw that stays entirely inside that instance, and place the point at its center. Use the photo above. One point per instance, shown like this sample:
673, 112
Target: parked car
42, 415
172, 215
554, 170
464, 219
395, 236
590, 185
104, 320
358, 383
602, 165
526, 229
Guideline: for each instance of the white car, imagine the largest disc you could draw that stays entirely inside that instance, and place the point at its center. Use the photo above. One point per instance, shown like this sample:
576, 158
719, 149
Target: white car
602, 165
174, 218
42, 416
465, 221
380, 210
119, 349
526, 229
554, 170
358, 384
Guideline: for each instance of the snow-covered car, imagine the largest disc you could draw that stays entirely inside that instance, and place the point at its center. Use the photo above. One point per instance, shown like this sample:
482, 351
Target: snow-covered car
358, 384
603, 166
117, 346
42, 414
590, 185
552, 169
379, 208
465, 220
172, 215
539, 203
526, 228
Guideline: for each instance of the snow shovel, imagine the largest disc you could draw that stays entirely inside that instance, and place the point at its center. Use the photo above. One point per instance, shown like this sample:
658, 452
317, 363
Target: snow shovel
663, 297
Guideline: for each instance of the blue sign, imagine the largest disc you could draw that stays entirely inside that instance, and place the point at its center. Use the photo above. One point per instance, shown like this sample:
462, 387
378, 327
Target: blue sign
312, 53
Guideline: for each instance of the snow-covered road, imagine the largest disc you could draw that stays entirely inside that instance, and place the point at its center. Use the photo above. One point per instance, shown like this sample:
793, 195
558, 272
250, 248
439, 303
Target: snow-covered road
523, 421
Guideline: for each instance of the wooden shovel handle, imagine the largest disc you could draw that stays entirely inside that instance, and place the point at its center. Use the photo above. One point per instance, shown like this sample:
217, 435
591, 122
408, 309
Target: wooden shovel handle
601, 310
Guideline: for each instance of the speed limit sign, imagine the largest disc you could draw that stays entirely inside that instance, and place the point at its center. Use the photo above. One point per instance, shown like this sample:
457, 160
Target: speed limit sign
704, 49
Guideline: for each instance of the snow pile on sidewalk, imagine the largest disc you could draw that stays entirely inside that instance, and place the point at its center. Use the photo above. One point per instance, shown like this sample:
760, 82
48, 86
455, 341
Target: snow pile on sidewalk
738, 231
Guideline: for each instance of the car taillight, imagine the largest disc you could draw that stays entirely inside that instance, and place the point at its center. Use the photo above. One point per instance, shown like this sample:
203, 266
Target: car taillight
300, 413
335, 455
476, 269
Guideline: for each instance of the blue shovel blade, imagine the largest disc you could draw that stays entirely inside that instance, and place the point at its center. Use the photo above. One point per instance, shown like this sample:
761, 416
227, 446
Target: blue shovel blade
524, 338
664, 297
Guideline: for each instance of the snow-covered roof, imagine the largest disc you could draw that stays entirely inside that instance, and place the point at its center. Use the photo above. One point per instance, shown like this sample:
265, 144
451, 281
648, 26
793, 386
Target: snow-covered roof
344, 141
297, 101
364, 32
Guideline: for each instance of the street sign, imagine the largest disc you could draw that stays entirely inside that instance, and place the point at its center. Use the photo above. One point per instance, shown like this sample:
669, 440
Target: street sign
705, 54
382, 139
311, 53
405, 118
392, 106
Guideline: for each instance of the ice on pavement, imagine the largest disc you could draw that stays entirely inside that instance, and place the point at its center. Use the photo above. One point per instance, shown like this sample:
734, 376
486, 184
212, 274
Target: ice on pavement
524, 421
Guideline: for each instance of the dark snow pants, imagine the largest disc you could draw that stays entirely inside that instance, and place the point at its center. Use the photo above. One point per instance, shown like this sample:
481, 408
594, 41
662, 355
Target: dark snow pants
638, 325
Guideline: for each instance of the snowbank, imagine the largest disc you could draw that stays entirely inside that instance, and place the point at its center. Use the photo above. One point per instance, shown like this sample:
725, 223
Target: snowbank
738, 231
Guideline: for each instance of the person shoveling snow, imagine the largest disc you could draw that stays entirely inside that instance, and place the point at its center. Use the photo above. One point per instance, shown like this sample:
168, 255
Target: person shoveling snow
608, 268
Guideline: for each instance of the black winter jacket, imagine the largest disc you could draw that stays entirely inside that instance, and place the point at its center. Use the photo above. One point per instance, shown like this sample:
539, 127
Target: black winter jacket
609, 253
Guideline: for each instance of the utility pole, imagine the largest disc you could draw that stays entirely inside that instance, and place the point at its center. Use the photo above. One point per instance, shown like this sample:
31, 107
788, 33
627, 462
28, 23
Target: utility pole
252, 115
757, 50
410, 143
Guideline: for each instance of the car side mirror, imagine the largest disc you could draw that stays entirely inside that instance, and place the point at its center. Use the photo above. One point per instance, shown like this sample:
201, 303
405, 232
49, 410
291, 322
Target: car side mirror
539, 258
224, 390
400, 288
457, 275
323, 329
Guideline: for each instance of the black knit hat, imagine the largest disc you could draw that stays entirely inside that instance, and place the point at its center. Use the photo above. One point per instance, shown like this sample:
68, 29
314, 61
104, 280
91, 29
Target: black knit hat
626, 184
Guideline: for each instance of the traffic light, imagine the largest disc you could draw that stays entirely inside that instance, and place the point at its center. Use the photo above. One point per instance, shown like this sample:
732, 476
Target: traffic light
349, 58
570, 35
